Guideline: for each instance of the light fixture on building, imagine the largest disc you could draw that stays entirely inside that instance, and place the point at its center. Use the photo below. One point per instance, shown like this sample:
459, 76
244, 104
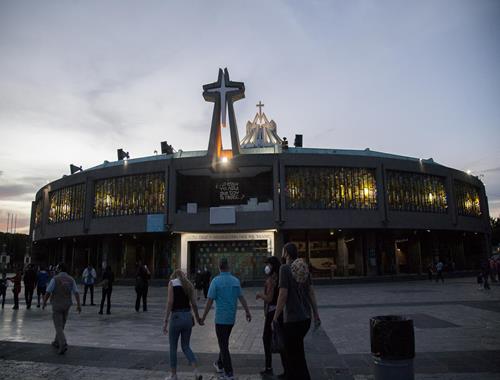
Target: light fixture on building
122, 154
73, 168
155, 152
166, 148
469, 172
224, 160
284, 144
298, 141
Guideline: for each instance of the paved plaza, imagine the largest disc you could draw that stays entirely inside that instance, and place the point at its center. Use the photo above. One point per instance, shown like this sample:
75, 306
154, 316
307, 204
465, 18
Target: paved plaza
457, 329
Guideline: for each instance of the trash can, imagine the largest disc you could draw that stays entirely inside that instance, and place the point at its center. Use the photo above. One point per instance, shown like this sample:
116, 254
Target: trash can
393, 347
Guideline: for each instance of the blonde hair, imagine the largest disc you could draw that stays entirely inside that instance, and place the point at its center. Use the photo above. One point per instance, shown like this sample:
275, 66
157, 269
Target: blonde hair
187, 286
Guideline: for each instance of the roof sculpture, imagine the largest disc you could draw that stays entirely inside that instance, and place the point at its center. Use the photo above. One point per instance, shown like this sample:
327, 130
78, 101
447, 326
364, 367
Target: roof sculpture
260, 132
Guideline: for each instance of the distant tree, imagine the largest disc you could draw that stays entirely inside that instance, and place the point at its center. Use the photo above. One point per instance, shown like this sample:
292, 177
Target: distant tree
495, 231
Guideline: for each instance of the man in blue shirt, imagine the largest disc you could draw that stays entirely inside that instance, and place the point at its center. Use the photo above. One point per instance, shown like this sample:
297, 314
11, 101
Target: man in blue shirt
225, 290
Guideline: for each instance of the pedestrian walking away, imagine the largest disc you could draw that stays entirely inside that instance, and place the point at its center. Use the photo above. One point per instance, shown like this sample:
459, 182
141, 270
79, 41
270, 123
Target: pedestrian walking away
430, 271
16, 289
142, 277
206, 275
270, 298
42, 279
225, 290
295, 300
60, 289
89, 276
439, 271
179, 320
108, 278
3, 287
29, 279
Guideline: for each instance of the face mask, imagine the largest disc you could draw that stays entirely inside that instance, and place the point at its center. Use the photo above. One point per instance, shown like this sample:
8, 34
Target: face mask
267, 270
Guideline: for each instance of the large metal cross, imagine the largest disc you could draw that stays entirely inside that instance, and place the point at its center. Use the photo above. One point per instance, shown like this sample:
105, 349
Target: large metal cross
223, 89
260, 105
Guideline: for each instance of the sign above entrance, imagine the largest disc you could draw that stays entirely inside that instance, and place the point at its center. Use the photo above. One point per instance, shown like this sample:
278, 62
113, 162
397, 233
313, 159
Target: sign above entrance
223, 94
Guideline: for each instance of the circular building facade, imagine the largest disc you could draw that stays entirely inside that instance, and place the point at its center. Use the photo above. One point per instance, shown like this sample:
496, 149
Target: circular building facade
351, 213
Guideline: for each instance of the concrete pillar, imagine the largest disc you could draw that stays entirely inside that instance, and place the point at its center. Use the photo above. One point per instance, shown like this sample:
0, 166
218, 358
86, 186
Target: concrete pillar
371, 253
343, 257
358, 255
459, 253
415, 255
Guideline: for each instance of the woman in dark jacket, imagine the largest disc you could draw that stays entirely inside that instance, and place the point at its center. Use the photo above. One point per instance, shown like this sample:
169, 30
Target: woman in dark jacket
107, 287
270, 298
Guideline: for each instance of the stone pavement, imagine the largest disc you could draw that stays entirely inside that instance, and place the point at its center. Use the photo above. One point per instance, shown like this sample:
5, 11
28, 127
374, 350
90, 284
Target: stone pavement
457, 329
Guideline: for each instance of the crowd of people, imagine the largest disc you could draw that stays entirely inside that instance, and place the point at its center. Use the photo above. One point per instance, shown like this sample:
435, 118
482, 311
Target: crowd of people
288, 298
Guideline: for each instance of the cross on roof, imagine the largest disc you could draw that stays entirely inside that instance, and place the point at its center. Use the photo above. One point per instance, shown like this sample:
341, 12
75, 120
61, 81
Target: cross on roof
260, 105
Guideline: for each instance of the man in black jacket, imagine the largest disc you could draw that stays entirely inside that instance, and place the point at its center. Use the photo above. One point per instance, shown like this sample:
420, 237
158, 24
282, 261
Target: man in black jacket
141, 286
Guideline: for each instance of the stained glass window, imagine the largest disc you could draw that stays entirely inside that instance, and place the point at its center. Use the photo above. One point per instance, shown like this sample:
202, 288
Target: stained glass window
130, 195
467, 199
67, 204
417, 192
330, 188
38, 211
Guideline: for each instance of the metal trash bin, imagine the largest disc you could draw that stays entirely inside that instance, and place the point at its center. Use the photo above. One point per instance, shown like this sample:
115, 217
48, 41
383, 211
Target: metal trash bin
392, 340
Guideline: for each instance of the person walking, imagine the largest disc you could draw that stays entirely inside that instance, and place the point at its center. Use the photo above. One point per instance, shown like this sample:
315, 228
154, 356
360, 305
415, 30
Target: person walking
439, 271
225, 290
89, 276
29, 279
270, 298
60, 289
142, 277
181, 301
295, 300
108, 278
430, 270
3, 287
16, 289
486, 274
42, 279
206, 275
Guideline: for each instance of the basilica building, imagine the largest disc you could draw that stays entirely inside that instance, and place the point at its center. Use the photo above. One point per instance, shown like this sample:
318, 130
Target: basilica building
350, 212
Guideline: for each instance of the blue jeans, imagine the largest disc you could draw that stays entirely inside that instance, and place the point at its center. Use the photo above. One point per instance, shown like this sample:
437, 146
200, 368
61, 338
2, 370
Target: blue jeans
181, 323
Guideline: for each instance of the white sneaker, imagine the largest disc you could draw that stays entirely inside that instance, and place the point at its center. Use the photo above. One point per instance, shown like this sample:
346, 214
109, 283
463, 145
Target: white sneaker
217, 368
171, 377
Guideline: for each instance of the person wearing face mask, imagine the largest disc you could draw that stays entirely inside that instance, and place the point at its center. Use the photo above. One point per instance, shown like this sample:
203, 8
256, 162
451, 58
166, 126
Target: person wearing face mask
270, 298
296, 298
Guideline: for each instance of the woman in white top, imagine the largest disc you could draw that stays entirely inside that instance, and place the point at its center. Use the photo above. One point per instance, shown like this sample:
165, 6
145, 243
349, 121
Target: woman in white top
181, 301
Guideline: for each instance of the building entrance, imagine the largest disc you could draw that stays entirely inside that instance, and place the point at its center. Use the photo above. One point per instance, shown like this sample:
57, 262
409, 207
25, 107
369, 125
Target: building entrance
246, 257
245, 251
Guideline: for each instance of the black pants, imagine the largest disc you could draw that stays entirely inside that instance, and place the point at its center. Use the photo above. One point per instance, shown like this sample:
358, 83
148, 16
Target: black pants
2, 295
295, 357
267, 337
223, 333
439, 276
141, 292
40, 291
28, 295
87, 287
205, 290
106, 294
16, 299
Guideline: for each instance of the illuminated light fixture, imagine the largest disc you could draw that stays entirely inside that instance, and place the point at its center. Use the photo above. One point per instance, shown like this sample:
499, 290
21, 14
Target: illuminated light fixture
366, 191
431, 197
166, 148
224, 160
469, 172
122, 154
428, 230
73, 168
332, 232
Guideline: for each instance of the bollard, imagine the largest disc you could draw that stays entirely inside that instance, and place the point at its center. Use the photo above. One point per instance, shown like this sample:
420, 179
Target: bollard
393, 347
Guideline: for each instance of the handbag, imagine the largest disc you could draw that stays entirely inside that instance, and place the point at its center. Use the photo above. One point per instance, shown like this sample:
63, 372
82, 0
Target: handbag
277, 340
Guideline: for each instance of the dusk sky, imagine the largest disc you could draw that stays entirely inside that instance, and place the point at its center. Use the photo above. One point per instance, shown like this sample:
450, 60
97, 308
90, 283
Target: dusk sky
79, 79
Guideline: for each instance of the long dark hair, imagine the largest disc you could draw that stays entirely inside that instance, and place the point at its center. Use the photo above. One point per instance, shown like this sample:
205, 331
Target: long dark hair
275, 265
